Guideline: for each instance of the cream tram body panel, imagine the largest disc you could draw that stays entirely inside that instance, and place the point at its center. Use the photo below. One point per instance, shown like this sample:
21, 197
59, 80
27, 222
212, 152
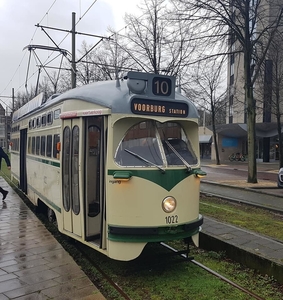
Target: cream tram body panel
139, 202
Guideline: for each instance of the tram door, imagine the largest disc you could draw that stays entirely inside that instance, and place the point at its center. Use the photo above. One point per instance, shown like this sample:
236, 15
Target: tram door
72, 212
94, 158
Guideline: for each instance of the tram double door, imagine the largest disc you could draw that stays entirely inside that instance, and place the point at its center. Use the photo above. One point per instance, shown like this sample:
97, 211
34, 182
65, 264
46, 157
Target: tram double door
82, 176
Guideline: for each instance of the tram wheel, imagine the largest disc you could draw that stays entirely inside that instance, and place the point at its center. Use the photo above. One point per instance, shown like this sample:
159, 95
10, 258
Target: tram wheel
51, 216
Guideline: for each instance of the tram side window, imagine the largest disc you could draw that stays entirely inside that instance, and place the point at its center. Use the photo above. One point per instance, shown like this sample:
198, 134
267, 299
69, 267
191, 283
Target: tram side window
49, 118
42, 145
57, 113
38, 121
56, 150
43, 120
29, 145
49, 146
33, 145
37, 145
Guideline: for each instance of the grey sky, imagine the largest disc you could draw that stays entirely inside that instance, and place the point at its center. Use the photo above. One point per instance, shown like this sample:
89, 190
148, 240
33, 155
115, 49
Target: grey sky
17, 30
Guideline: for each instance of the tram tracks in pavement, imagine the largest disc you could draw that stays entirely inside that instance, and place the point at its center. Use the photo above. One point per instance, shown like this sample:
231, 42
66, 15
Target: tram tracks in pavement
263, 200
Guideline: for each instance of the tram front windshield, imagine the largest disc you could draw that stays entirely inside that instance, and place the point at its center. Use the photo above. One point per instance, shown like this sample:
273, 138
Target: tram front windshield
153, 143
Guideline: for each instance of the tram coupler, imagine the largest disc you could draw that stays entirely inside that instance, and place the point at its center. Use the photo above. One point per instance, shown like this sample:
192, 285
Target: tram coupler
187, 251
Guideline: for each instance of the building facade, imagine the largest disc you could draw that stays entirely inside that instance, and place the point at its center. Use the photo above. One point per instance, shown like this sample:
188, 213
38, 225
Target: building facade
233, 136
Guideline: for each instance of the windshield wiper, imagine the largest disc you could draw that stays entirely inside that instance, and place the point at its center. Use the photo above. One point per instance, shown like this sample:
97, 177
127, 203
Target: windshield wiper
145, 160
179, 156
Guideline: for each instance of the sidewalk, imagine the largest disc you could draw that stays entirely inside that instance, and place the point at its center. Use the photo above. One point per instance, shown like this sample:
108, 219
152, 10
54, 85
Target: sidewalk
33, 265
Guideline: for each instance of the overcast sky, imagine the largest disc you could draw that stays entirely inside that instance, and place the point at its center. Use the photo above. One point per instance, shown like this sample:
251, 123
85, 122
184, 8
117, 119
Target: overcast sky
17, 30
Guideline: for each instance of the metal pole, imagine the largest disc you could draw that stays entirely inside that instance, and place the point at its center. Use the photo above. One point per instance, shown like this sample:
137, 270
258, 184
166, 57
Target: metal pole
13, 100
73, 50
6, 132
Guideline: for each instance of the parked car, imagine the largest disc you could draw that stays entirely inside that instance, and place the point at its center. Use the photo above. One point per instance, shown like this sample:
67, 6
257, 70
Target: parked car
280, 178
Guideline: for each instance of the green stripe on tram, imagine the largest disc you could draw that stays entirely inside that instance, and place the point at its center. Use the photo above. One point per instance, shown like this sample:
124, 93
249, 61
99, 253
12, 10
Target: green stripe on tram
40, 159
152, 238
42, 197
167, 180
44, 161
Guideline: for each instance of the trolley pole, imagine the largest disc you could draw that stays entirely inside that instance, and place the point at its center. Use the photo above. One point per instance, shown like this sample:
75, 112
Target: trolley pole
73, 77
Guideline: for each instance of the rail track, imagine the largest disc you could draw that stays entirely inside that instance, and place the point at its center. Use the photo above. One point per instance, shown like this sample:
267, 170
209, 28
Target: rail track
255, 198
215, 274
123, 294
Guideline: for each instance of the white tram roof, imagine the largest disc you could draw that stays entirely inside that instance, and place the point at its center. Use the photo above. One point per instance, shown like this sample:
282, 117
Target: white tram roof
109, 94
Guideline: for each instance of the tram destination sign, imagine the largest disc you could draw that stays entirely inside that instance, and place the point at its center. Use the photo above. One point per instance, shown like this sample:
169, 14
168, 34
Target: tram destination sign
159, 108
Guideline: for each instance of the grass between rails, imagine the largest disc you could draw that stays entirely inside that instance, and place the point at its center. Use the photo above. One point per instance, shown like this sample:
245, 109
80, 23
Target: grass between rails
255, 219
158, 275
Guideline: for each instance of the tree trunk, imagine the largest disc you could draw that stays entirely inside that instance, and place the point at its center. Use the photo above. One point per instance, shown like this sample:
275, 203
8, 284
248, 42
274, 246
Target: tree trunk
249, 98
252, 170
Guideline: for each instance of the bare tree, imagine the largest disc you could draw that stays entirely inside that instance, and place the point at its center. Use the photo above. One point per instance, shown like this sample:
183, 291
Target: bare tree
250, 26
105, 62
210, 92
156, 42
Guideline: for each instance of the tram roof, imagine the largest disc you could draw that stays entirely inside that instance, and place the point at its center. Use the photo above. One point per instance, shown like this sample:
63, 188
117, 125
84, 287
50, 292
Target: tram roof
113, 95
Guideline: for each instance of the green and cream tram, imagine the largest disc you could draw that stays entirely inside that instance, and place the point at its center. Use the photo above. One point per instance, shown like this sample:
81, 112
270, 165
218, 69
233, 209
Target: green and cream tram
115, 163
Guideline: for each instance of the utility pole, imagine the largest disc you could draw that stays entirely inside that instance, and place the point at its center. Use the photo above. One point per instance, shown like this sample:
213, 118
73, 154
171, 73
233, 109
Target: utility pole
73, 77
71, 60
7, 121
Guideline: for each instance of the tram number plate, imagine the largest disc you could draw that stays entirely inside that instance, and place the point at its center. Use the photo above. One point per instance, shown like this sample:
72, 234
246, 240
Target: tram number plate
171, 219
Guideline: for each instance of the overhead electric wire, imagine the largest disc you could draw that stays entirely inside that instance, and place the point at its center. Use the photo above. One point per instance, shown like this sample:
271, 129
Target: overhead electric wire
46, 61
25, 52
21, 61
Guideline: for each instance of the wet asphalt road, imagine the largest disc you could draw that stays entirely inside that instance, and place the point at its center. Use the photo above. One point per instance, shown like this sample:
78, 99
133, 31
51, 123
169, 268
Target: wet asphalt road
230, 173
269, 197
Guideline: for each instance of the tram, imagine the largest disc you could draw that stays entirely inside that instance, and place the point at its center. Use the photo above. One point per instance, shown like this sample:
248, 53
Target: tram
116, 163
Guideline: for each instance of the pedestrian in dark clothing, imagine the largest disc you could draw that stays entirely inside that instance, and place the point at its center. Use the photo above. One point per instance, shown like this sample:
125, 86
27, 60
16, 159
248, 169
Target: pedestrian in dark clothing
5, 156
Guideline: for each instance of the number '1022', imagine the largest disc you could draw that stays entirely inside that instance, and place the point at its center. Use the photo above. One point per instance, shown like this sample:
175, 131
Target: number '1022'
171, 219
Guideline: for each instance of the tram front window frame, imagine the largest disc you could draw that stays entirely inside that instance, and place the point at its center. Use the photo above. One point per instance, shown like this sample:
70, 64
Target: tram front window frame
151, 143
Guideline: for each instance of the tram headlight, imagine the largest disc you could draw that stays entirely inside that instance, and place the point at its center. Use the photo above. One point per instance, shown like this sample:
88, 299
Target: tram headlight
169, 204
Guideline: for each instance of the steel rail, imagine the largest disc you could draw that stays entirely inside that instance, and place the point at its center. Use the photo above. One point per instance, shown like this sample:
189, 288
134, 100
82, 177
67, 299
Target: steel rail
215, 273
